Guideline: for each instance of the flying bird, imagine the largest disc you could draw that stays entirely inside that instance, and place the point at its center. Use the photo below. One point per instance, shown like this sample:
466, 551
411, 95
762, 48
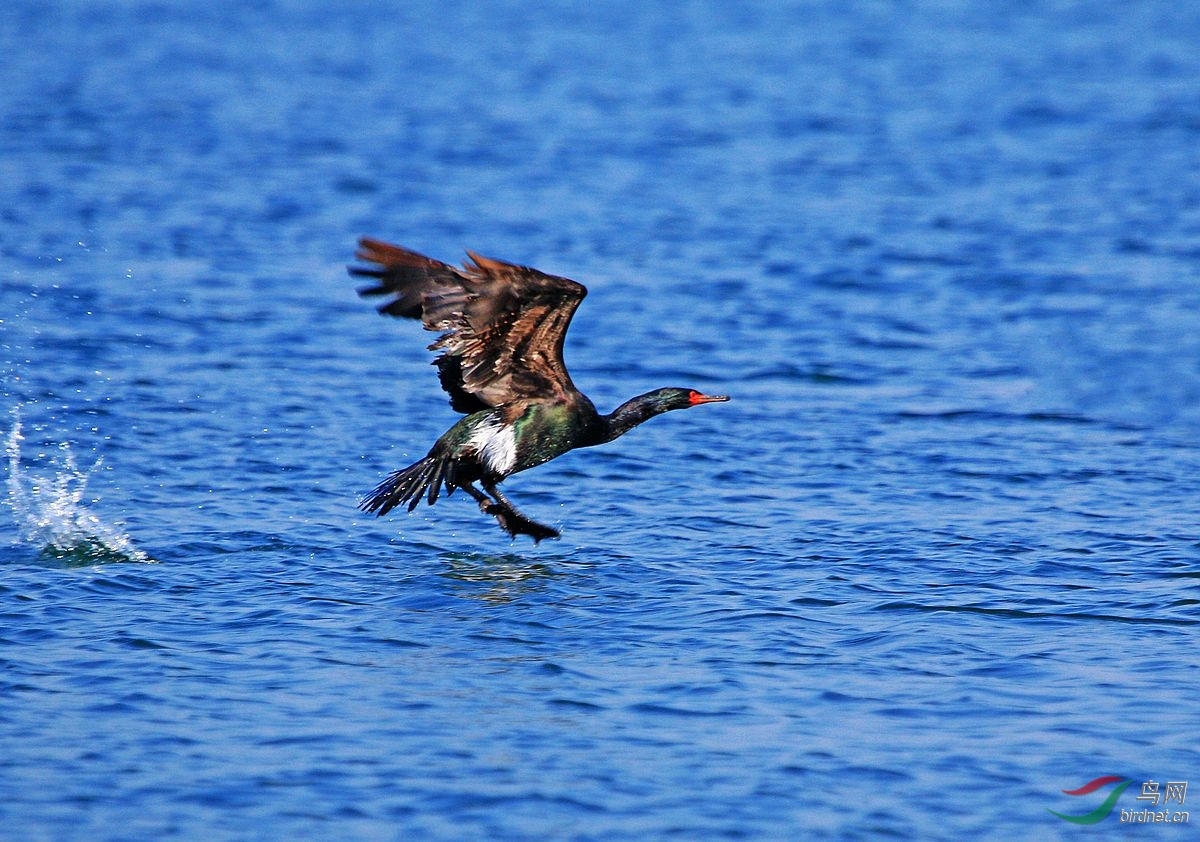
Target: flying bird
502, 328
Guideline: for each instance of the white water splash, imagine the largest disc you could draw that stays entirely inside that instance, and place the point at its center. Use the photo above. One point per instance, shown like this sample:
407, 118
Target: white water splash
51, 514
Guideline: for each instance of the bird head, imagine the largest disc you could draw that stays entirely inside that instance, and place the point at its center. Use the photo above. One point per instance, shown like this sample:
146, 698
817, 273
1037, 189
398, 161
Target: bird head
674, 398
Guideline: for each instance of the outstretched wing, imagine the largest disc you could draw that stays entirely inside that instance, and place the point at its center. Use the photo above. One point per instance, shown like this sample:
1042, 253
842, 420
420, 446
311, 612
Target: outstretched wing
502, 326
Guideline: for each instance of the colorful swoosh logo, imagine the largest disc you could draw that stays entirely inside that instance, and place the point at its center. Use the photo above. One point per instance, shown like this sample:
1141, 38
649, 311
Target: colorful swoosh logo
1104, 809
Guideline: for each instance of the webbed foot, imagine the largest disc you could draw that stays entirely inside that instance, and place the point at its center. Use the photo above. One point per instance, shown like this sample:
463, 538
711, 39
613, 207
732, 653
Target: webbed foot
515, 523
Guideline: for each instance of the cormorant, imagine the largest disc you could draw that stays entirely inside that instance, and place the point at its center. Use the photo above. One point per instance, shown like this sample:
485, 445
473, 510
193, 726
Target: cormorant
502, 328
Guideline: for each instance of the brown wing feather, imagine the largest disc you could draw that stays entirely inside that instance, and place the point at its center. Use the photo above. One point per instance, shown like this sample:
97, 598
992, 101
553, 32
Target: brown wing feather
502, 325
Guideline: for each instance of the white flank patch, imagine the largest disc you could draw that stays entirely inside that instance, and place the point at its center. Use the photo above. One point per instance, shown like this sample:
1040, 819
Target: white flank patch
496, 445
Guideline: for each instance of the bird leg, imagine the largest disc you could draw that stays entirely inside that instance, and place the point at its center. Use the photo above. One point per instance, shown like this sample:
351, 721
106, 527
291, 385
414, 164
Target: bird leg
510, 518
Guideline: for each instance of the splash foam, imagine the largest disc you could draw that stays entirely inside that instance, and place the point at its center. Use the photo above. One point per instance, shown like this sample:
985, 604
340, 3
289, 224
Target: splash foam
50, 512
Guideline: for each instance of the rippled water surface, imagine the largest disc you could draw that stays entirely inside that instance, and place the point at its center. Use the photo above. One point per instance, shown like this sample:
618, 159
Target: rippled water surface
935, 562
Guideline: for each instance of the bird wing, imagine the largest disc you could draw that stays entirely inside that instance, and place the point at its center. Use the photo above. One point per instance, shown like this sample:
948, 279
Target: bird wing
502, 325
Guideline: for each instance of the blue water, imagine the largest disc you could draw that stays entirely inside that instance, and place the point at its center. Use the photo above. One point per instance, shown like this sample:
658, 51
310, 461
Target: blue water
935, 562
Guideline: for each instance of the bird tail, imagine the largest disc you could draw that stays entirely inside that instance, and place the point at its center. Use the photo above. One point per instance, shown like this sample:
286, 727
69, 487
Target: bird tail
424, 478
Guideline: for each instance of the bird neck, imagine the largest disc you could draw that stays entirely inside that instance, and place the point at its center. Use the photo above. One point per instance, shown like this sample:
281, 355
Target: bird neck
628, 415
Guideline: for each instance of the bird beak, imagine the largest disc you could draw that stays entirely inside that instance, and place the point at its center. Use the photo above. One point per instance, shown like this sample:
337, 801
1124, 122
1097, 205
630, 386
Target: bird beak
698, 398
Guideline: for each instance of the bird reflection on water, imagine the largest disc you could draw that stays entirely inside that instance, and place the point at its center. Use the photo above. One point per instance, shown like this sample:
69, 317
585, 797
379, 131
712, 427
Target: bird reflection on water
498, 577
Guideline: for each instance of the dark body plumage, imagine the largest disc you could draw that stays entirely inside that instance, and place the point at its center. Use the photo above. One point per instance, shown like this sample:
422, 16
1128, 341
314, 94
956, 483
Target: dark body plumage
502, 329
